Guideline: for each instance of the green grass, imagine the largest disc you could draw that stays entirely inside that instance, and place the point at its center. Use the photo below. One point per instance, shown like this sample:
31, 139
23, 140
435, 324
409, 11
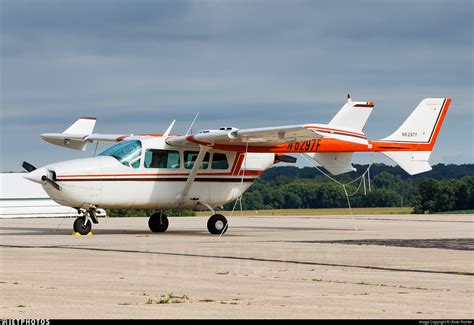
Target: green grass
457, 212
172, 299
316, 212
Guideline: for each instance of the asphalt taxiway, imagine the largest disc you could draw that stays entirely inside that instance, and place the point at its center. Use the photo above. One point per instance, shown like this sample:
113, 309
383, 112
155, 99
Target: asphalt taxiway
395, 266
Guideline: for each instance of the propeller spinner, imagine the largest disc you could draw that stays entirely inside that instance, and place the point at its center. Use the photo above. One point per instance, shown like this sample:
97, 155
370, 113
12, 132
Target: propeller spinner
39, 175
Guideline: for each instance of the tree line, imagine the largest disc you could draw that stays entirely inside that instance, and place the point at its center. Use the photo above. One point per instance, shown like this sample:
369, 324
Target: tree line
445, 188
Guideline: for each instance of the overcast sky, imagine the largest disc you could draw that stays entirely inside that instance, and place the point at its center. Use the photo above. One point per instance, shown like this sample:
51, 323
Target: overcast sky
137, 65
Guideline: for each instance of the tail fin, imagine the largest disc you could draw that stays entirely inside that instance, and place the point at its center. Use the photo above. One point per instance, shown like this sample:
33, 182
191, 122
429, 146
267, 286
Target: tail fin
352, 116
416, 137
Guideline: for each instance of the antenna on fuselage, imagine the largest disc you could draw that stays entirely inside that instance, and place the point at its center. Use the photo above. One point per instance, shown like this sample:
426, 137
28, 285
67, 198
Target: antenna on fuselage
192, 124
168, 130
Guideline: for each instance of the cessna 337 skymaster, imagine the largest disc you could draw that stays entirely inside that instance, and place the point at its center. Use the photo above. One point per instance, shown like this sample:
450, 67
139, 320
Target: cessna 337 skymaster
208, 169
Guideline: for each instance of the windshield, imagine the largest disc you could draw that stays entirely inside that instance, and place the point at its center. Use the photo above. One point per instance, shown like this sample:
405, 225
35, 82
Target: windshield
128, 153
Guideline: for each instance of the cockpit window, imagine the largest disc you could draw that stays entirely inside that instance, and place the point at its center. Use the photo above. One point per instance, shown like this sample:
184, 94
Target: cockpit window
128, 153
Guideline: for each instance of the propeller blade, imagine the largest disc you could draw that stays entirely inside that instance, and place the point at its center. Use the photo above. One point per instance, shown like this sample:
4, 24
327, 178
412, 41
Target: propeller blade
28, 167
51, 182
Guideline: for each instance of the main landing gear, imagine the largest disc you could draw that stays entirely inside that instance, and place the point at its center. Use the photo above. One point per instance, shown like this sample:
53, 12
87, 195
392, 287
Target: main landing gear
217, 224
158, 222
83, 225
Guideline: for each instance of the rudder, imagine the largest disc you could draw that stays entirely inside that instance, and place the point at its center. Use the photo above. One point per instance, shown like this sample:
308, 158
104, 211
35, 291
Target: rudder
415, 138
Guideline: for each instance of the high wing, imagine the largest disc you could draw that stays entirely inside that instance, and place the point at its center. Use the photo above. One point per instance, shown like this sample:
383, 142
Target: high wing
268, 136
265, 137
347, 125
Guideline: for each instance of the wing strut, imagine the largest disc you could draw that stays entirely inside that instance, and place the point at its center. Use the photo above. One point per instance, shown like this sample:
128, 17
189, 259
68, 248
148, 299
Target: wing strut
192, 175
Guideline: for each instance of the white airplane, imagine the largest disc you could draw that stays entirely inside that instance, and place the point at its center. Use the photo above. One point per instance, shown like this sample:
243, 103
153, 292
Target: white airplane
208, 169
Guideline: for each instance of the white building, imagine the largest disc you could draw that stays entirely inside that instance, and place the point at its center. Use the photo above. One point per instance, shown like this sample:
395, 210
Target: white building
20, 198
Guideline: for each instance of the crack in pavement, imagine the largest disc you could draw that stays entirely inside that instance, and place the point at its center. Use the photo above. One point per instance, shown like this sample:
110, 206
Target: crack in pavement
255, 259
363, 283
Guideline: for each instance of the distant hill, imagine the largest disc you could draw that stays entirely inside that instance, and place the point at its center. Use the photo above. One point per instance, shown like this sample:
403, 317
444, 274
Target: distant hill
439, 172
445, 188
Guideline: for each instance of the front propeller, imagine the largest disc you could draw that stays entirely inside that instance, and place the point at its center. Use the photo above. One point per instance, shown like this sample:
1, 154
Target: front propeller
28, 167
40, 175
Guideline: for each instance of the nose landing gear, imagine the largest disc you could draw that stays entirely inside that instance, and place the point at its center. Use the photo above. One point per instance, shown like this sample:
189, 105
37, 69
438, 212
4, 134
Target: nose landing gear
83, 225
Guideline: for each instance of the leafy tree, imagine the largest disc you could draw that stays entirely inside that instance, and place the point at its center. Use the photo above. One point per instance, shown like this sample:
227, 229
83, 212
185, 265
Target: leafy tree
447, 195
424, 197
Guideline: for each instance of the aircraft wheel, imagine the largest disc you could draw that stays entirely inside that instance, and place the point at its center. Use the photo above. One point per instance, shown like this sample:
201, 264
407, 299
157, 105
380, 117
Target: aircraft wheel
158, 222
80, 227
217, 224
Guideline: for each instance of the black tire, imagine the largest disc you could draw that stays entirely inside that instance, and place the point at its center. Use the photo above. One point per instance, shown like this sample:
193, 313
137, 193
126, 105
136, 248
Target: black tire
217, 224
80, 227
158, 222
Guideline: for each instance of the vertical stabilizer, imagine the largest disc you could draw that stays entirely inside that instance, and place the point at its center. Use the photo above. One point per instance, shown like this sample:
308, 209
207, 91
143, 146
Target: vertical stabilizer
416, 137
352, 116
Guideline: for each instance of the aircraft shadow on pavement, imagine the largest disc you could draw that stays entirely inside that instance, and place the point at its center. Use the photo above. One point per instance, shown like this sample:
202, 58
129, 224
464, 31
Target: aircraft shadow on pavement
40, 231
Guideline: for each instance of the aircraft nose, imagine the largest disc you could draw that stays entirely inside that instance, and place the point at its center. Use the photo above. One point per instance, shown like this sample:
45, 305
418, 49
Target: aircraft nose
35, 175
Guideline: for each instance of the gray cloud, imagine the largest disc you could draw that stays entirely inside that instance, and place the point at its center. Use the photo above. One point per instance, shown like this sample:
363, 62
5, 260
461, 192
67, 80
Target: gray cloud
136, 65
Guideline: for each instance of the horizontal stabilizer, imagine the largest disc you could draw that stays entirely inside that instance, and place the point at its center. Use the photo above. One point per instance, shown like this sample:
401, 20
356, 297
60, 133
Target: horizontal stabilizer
413, 162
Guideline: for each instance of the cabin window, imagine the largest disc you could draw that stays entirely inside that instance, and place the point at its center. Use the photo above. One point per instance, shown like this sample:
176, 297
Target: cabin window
128, 153
219, 161
156, 158
191, 156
